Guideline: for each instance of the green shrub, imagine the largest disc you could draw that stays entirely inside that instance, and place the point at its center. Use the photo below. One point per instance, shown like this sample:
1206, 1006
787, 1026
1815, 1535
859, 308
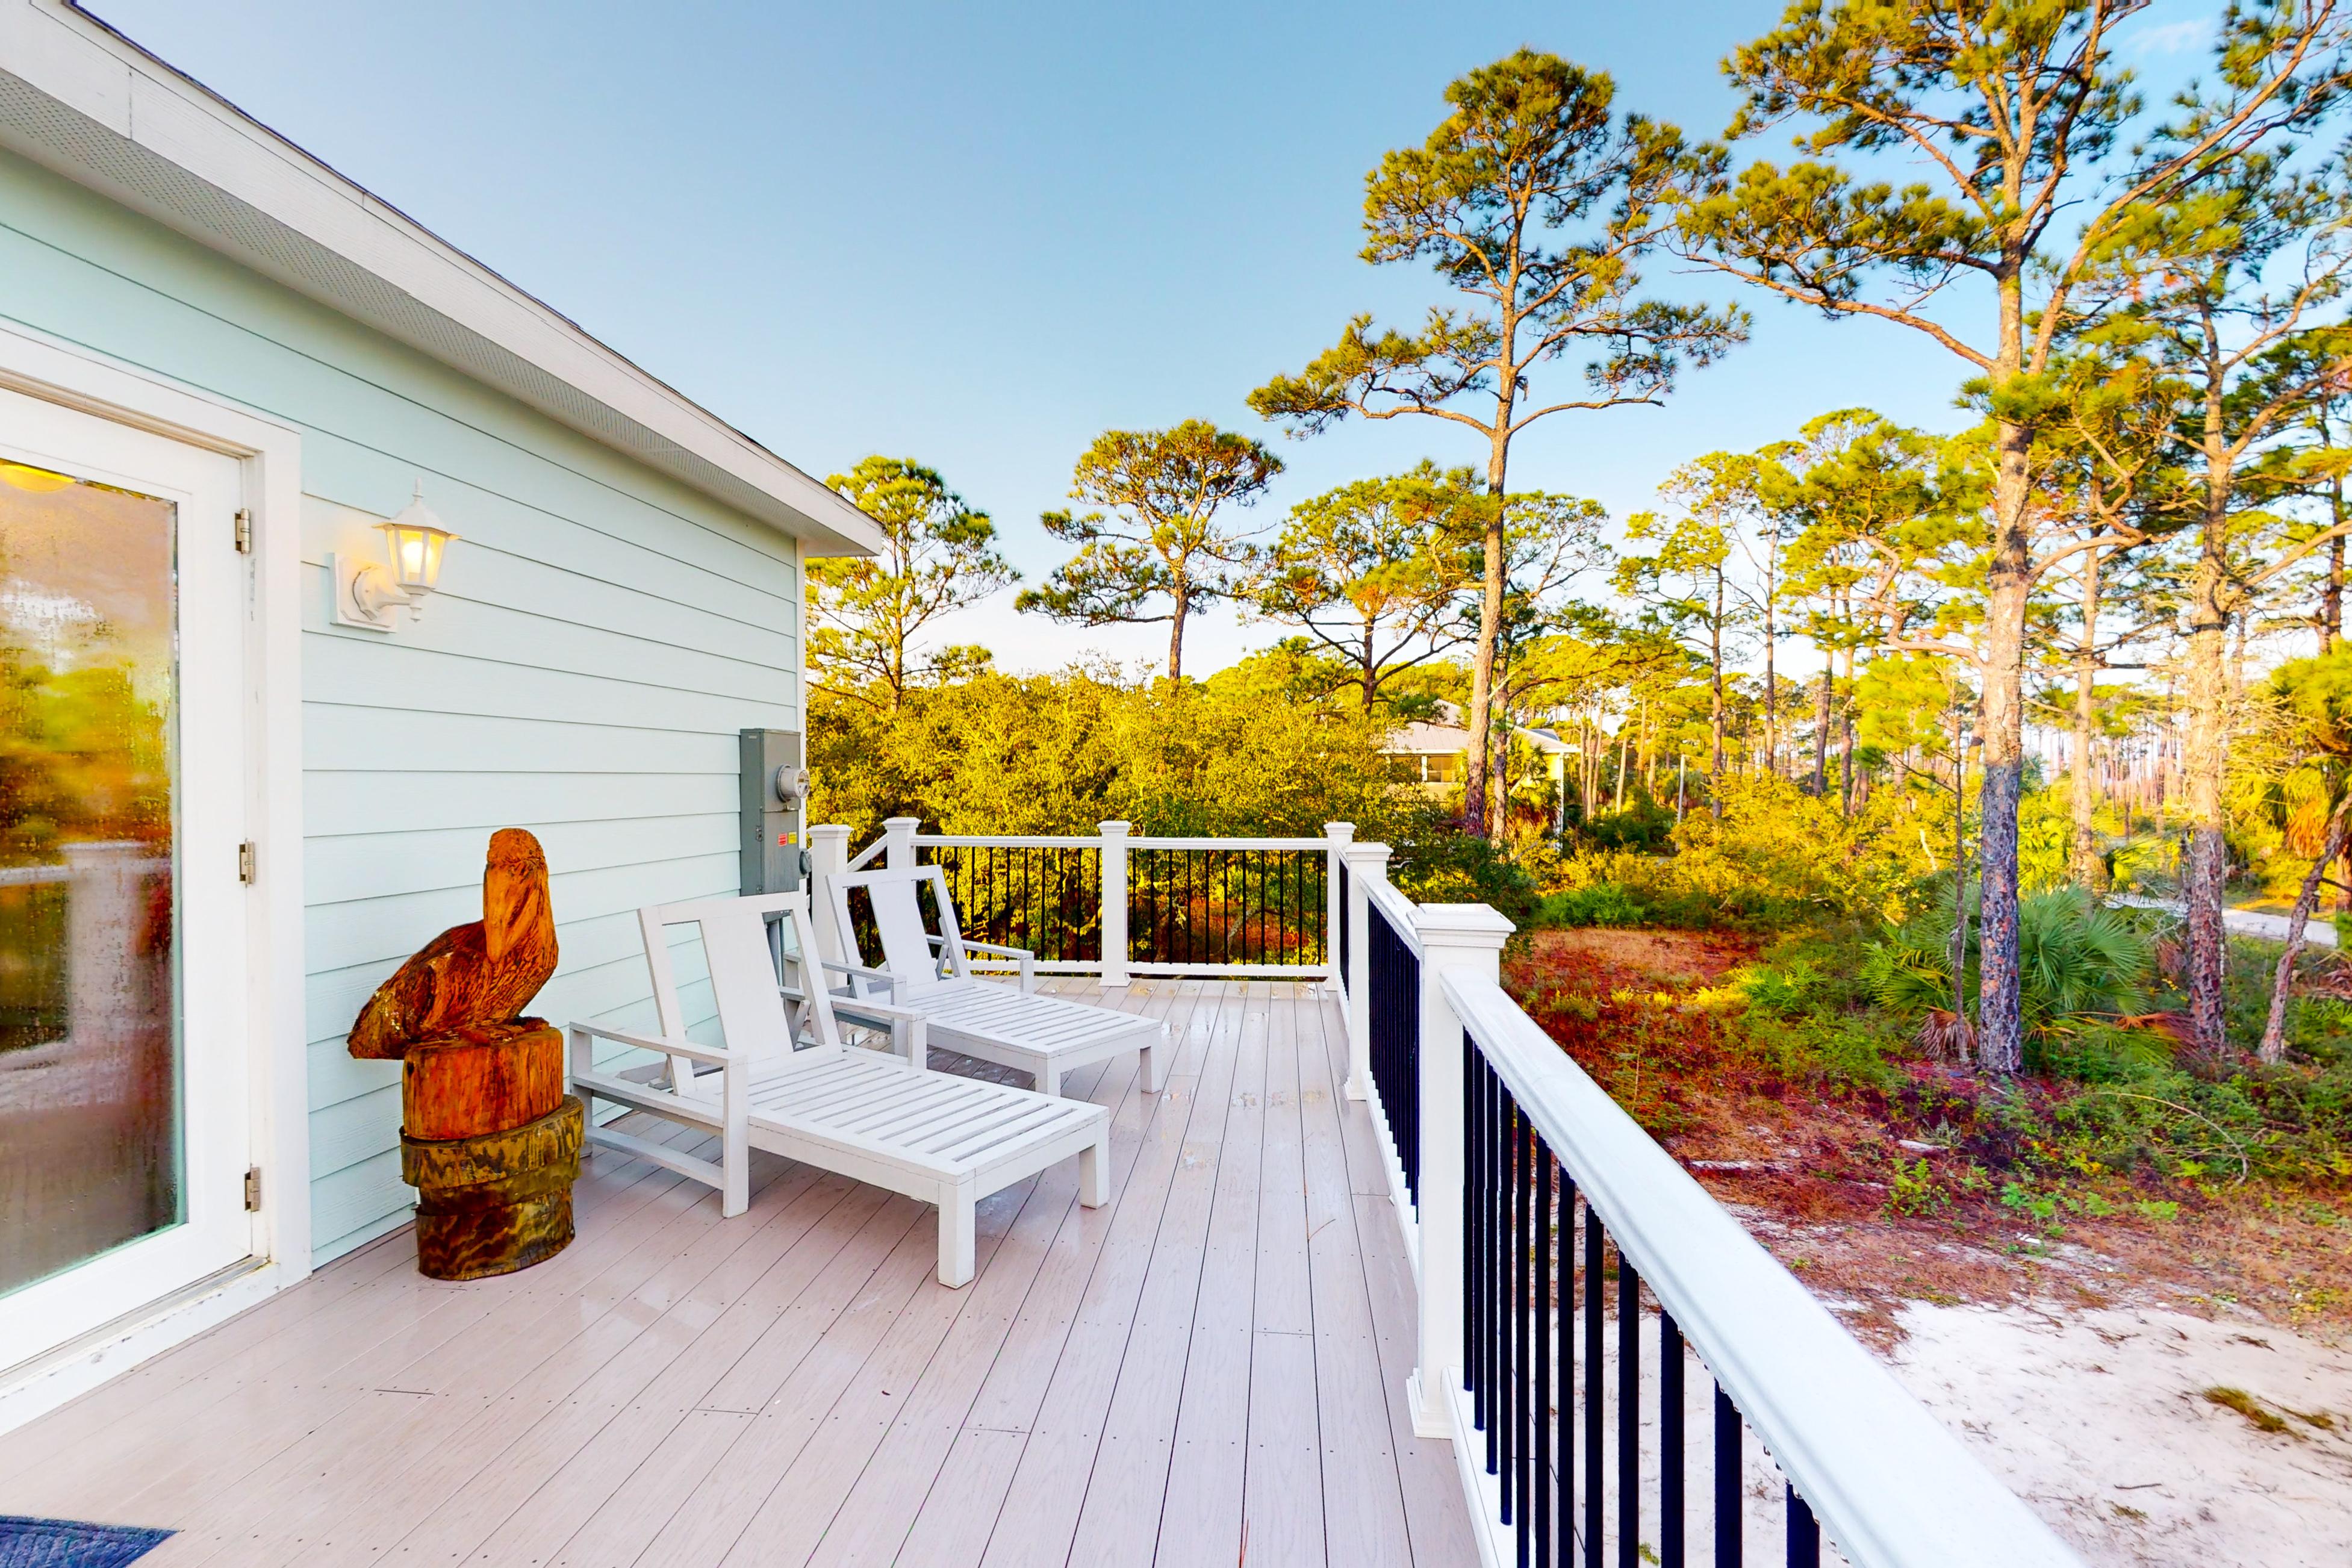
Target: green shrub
1644, 825
1604, 905
2075, 957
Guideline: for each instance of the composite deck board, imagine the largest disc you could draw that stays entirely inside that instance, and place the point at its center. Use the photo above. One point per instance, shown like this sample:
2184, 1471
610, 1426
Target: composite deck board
963, 1516
1363, 1504
1282, 1494
1071, 1452
1200, 1519
1210, 1366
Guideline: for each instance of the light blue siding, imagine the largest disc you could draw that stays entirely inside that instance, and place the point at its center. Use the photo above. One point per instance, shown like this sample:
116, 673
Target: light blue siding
601, 633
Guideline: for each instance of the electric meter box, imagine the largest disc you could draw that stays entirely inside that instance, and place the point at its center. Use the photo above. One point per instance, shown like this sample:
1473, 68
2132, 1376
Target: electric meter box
775, 786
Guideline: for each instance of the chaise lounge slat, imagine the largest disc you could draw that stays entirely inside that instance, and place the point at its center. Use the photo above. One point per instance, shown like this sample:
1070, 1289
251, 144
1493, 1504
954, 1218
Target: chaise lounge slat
930, 976
789, 1084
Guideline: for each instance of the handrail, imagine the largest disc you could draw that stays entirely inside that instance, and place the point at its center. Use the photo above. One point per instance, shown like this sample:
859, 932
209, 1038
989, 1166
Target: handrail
1396, 908
1088, 841
1892, 1486
865, 856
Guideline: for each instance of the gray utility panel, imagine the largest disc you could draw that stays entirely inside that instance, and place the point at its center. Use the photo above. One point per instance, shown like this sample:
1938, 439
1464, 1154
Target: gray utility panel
775, 784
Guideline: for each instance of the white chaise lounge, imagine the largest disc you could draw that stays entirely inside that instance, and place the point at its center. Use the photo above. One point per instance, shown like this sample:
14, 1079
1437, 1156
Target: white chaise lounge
931, 976
788, 1083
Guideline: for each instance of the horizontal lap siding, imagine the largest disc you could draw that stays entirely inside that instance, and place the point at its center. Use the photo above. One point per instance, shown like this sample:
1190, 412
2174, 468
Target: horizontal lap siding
600, 635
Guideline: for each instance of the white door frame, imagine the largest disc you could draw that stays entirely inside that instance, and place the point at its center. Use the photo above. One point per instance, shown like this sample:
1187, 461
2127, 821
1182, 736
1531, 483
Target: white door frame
269, 455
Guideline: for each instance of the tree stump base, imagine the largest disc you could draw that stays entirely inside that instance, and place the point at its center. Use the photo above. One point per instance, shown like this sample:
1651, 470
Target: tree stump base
480, 1082
496, 1201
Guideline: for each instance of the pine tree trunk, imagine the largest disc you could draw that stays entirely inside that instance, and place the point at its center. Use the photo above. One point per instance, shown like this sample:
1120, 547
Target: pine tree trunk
1714, 690
2331, 612
1847, 803
2204, 749
1490, 631
1176, 631
1999, 1024
2088, 870
2202, 762
1822, 733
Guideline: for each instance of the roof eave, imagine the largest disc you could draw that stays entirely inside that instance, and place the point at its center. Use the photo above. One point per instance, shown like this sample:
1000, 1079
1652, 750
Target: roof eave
83, 101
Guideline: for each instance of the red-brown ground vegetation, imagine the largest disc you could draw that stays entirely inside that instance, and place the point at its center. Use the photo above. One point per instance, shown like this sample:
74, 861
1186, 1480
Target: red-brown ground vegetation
1929, 1184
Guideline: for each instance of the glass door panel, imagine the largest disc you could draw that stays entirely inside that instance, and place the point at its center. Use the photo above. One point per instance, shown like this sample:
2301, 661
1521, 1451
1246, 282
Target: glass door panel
90, 1146
128, 1060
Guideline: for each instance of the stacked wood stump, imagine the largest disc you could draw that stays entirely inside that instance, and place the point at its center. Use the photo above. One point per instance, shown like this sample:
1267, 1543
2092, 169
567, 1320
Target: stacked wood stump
491, 1143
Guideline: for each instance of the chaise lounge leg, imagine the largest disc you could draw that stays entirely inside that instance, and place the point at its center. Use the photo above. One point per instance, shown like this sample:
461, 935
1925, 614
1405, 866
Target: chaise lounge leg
1094, 1172
958, 1248
1156, 1059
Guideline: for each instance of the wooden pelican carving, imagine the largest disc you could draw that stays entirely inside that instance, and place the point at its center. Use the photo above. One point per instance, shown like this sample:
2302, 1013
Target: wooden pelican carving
471, 978
487, 1136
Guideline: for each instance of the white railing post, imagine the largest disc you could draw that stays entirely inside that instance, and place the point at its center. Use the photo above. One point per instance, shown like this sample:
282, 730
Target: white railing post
1114, 903
1366, 863
1466, 937
828, 858
1339, 834
898, 842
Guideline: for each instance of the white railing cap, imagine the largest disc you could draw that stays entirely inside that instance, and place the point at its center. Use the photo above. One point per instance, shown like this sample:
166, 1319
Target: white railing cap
1359, 851
1461, 925
1890, 1485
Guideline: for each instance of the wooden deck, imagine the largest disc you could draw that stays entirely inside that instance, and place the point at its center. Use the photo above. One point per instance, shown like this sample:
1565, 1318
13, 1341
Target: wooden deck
1209, 1371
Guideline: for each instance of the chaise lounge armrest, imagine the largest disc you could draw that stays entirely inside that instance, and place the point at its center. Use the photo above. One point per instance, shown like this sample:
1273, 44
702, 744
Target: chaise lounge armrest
729, 1116
1026, 957
708, 1055
858, 970
909, 1031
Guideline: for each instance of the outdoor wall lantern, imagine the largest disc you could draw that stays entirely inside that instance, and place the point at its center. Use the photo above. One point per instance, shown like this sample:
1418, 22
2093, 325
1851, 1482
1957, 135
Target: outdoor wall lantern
368, 593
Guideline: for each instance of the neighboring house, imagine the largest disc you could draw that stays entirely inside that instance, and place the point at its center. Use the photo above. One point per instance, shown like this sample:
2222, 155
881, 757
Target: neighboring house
222, 366
1436, 755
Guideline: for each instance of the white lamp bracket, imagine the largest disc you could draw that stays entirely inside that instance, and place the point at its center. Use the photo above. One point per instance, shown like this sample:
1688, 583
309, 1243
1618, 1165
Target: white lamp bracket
364, 594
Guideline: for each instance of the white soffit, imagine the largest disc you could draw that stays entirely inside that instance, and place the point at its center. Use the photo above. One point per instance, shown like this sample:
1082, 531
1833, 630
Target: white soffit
82, 100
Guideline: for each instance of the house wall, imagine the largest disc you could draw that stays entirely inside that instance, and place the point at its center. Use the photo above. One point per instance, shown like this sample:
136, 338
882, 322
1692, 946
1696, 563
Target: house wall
600, 635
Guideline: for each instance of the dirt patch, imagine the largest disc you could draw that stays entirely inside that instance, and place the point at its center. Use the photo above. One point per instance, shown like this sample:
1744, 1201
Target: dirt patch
1877, 1200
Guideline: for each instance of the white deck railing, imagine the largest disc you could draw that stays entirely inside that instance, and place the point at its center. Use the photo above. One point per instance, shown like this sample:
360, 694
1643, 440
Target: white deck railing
1527, 1199
1116, 904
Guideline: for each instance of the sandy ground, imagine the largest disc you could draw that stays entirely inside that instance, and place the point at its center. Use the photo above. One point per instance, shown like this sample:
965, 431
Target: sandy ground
2270, 925
2101, 1419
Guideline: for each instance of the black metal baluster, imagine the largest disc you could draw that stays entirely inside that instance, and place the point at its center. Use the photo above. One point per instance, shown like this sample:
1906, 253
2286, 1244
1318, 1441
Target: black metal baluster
1474, 1225
1595, 1239
1523, 1308
1564, 1407
1490, 1249
1804, 1533
1540, 1406
1514, 1281
1671, 1553
1730, 1531
1629, 1412
1192, 865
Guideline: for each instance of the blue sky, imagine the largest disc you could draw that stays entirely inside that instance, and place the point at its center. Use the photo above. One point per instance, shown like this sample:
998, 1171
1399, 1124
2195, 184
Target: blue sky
981, 236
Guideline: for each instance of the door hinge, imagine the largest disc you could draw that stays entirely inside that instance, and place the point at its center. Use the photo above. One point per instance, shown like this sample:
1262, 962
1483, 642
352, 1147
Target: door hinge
245, 862
253, 1190
244, 530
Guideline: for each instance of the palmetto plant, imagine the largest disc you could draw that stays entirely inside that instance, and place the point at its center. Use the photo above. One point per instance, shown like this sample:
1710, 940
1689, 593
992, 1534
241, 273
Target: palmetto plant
2075, 957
